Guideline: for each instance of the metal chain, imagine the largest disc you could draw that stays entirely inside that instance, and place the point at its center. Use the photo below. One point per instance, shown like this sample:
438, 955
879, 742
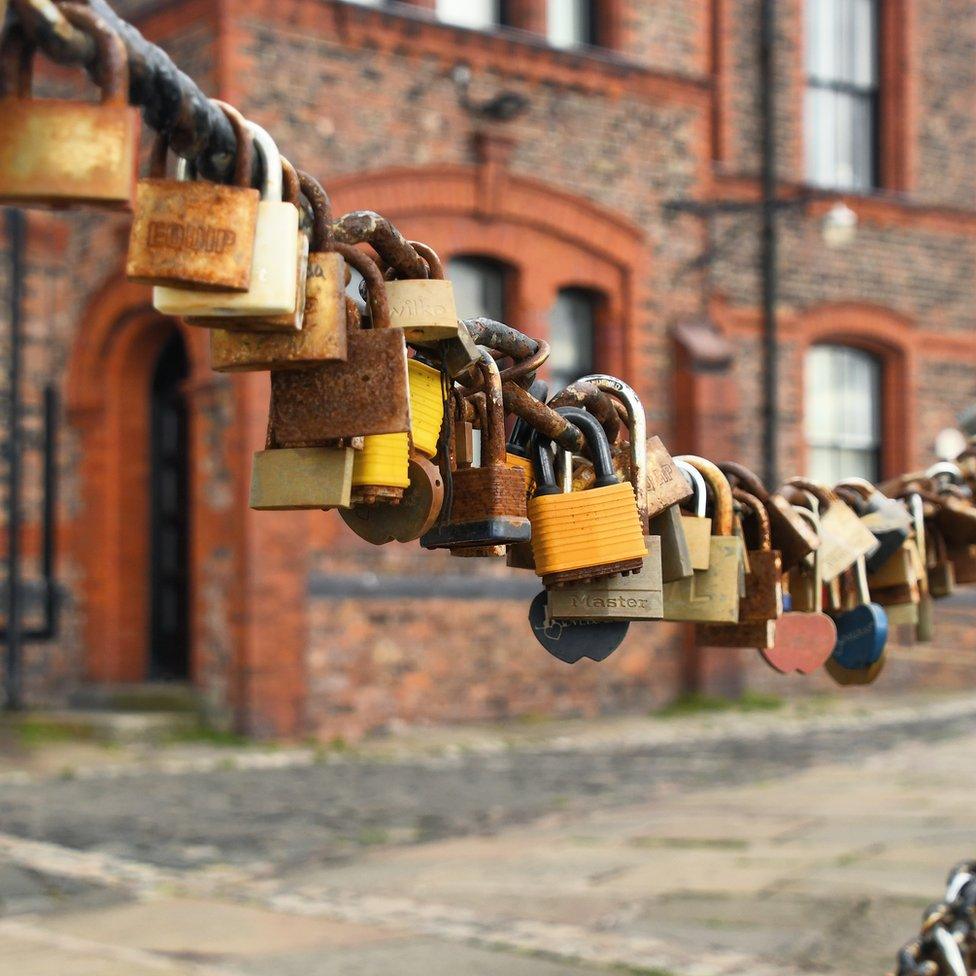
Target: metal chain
946, 943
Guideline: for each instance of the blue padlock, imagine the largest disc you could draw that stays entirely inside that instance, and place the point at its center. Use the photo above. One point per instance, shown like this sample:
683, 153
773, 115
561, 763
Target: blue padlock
862, 632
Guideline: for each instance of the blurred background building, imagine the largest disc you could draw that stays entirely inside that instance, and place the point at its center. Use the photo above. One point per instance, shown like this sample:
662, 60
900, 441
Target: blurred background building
599, 174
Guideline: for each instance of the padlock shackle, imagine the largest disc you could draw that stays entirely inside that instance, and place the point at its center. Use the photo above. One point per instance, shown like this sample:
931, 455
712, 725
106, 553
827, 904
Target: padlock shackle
543, 466
824, 496
243, 157
492, 440
758, 509
379, 306
434, 267
271, 159
291, 191
321, 206
814, 521
721, 493
597, 444
861, 485
699, 491
637, 426
946, 469
746, 478
591, 398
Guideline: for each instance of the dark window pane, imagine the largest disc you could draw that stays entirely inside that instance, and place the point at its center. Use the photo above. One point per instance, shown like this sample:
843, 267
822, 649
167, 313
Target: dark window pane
479, 287
572, 327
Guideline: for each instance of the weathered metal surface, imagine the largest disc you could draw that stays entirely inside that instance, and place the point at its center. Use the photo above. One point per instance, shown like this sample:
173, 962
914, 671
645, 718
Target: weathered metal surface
423, 308
55, 152
305, 478
368, 227
367, 394
759, 635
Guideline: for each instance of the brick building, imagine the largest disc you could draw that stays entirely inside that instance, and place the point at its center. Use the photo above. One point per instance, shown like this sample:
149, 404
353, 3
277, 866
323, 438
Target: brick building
570, 220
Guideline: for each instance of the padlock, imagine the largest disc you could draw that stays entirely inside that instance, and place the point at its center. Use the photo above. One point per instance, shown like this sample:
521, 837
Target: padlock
580, 535
886, 518
426, 406
410, 517
843, 536
805, 638
288, 323
275, 264
862, 627
487, 503
194, 233
60, 152
675, 555
639, 595
366, 394
300, 478
963, 561
697, 527
571, 642
424, 307
518, 455
940, 568
711, 595
322, 337
854, 676
762, 604
792, 537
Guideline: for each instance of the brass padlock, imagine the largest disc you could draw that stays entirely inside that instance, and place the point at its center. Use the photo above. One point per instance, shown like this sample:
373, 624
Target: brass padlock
963, 561
697, 527
60, 152
636, 596
323, 334
580, 535
711, 595
194, 233
424, 307
366, 394
675, 554
275, 264
487, 504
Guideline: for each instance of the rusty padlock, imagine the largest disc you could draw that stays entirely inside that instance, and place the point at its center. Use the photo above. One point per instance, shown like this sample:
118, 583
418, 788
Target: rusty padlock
487, 503
792, 535
322, 337
61, 152
366, 394
194, 233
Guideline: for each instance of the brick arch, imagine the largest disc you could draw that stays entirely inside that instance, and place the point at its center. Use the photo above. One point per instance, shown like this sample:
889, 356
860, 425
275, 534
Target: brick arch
107, 531
888, 336
551, 239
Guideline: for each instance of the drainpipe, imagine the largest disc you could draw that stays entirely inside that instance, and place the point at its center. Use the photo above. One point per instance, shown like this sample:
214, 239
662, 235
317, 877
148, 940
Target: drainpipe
768, 242
13, 678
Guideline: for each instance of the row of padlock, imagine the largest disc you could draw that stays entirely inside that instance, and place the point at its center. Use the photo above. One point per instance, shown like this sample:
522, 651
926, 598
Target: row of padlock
418, 427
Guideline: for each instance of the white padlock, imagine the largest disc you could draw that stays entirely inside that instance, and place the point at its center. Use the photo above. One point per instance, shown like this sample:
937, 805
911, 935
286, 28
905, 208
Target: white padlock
274, 281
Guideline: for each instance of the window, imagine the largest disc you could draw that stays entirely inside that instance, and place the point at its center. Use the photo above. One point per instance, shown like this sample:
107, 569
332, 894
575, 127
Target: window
479, 287
843, 413
841, 127
572, 328
478, 14
570, 23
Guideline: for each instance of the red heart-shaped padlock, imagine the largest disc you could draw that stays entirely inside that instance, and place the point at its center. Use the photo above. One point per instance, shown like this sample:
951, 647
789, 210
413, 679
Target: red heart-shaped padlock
804, 642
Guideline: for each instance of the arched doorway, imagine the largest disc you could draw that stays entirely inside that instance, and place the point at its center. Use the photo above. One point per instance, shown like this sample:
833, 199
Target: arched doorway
169, 645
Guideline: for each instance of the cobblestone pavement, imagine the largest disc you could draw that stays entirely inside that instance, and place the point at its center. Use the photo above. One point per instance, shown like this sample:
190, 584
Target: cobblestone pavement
773, 843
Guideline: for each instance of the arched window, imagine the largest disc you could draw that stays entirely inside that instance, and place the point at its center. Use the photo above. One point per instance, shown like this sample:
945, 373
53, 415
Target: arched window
572, 335
480, 286
842, 412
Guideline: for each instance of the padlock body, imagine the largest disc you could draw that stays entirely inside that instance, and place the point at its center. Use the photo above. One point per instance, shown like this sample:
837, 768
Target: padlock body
426, 407
639, 596
897, 570
942, 579
423, 308
192, 234
666, 485
861, 636
301, 478
698, 533
56, 152
322, 337
843, 540
675, 555
760, 634
763, 598
964, 564
384, 461
585, 529
274, 275
488, 507
366, 394
712, 595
